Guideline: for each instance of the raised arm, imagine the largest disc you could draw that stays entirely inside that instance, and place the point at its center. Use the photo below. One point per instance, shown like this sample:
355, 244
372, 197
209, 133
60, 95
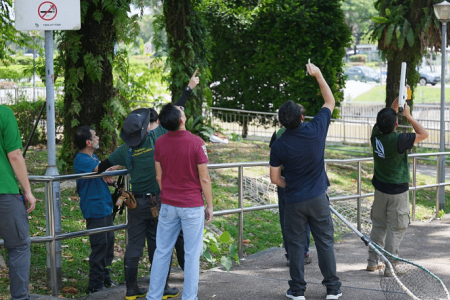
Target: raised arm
421, 133
324, 88
20, 169
193, 82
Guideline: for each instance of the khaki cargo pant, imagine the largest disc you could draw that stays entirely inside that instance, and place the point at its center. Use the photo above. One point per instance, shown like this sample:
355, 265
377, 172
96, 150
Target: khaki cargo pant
390, 219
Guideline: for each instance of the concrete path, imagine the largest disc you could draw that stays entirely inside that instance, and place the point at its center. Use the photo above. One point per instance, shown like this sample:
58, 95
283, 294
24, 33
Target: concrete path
264, 275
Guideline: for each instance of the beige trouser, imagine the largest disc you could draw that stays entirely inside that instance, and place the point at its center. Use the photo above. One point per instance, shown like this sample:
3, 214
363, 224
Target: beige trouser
390, 218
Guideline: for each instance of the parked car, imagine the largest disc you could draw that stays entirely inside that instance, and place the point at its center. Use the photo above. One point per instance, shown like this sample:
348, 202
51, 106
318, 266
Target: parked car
429, 77
362, 73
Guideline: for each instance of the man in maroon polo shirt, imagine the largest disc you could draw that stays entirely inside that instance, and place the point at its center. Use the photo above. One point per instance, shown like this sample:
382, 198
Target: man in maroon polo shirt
182, 174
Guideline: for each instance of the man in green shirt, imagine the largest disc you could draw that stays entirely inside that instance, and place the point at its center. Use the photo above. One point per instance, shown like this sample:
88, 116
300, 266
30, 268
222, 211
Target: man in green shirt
390, 210
140, 131
14, 227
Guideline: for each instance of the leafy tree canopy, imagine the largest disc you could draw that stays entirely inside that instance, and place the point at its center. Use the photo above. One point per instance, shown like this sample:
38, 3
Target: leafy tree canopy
8, 33
260, 49
404, 31
358, 16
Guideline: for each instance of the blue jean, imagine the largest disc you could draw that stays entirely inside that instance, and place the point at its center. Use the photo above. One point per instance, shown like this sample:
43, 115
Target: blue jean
281, 204
316, 213
14, 229
171, 220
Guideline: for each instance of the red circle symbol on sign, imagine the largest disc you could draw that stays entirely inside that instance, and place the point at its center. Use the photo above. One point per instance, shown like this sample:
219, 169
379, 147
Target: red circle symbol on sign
47, 11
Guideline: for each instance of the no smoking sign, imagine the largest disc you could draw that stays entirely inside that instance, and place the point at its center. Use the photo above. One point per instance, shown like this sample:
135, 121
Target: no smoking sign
47, 14
47, 11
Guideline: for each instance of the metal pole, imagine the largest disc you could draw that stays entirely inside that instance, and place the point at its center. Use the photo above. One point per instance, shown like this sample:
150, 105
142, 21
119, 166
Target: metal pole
414, 192
441, 163
241, 213
51, 246
34, 68
51, 151
359, 199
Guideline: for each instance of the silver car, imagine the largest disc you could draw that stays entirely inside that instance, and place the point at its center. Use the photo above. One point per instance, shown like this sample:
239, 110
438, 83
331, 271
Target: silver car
362, 73
429, 77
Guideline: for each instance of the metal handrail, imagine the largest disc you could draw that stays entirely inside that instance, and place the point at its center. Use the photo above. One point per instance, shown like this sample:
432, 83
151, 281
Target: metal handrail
51, 237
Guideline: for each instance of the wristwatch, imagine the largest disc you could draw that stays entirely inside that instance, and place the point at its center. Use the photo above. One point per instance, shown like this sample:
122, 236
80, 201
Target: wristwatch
188, 89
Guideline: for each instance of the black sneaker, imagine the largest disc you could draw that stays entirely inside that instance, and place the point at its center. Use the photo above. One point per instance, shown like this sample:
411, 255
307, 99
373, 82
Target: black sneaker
300, 295
170, 292
333, 294
110, 283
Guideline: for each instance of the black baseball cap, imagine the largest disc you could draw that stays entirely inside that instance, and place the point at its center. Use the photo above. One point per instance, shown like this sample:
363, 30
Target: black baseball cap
135, 126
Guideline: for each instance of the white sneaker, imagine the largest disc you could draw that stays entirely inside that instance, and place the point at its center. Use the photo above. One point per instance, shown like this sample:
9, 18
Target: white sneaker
295, 295
333, 294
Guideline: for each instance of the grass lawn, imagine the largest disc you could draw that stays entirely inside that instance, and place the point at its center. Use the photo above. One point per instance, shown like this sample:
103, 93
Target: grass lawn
422, 94
75, 252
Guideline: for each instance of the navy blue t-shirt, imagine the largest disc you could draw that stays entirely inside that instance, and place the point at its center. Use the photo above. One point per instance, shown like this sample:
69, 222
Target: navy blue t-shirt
95, 197
301, 152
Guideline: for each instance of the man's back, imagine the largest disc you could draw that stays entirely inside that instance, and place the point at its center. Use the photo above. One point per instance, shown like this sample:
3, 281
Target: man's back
140, 163
301, 152
179, 153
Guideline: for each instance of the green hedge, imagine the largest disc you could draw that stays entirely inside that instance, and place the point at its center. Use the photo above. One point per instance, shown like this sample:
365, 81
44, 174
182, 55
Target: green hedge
26, 114
359, 58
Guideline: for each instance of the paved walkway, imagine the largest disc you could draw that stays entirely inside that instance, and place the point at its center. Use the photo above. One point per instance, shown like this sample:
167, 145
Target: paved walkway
264, 275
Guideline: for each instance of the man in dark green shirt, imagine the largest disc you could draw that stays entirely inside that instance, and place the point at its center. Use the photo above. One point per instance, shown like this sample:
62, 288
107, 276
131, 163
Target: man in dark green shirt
140, 131
390, 210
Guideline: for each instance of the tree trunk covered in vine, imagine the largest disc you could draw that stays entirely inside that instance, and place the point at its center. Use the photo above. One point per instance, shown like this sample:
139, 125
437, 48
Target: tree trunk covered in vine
88, 54
185, 39
406, 29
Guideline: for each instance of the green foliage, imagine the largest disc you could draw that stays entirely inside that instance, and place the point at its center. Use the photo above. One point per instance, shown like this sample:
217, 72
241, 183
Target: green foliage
92, 97
358, 16
358, 58
9, 34
40, 69
222, 251
26, 114
187, 50
404, 30
260, 49
235, 137
10, 73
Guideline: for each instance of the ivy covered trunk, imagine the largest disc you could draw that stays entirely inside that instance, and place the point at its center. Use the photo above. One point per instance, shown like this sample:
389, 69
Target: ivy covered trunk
187, 51
403, 30
88, 74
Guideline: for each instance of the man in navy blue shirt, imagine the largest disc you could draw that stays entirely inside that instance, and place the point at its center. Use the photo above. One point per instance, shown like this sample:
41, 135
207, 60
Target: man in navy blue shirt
300, 150
96, 205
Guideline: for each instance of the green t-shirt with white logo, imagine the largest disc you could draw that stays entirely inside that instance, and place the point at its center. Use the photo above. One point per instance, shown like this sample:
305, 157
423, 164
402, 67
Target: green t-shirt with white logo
389, 165
9, 141
140, 163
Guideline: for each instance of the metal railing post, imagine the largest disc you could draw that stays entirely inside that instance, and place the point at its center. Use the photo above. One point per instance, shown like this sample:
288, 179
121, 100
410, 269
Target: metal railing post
414, 191
241, 213
358, 217
51, 246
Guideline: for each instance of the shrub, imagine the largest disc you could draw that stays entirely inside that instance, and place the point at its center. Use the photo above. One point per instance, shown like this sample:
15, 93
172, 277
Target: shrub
359, 58
26, 114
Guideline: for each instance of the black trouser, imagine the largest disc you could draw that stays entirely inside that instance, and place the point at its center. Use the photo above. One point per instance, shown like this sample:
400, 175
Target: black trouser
102, 252
316, 213
141, 226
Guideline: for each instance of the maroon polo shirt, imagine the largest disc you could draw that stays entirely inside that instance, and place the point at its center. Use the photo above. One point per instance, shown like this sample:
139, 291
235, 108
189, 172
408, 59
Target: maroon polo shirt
179, 153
